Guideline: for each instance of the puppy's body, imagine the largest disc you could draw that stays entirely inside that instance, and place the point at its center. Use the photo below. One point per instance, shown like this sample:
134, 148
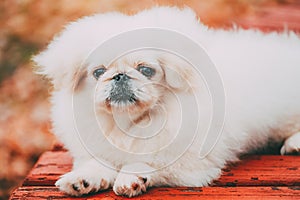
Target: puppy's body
261, 77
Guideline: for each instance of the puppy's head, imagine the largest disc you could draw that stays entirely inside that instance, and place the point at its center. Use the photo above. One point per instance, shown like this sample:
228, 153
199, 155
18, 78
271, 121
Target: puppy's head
137, 81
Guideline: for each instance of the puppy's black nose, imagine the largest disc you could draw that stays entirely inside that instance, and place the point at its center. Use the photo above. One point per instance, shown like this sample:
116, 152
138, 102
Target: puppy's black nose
121, 77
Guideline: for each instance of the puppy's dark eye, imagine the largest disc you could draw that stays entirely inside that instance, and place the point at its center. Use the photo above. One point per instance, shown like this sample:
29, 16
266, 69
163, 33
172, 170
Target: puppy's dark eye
146, 71
98, 72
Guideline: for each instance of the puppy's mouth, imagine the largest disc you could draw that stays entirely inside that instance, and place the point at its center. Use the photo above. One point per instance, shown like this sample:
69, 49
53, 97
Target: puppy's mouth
122, 98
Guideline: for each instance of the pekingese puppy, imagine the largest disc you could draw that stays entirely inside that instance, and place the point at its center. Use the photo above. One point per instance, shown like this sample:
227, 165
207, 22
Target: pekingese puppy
141, 119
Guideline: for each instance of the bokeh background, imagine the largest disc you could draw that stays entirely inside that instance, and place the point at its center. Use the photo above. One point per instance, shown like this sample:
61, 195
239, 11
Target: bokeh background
26, 26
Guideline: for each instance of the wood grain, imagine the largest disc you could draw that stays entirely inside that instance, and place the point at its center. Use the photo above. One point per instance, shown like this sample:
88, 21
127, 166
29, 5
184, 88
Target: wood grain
182, 193
255, 177
264, 170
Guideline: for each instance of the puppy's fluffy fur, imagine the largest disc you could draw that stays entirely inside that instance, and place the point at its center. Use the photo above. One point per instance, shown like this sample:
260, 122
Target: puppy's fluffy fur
261, 76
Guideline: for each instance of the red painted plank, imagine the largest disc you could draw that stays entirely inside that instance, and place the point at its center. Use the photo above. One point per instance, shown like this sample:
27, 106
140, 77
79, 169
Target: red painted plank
273, 193
262, 170
268, 170
48, 168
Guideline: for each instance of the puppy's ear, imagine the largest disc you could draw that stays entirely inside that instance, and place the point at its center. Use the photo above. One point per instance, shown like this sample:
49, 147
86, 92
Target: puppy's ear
61, 61
60, 77
179, 74
45, 65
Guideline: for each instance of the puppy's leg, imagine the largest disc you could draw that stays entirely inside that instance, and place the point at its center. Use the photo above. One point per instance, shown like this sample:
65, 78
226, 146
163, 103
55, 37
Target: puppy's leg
291, 144
90, 177
133, 179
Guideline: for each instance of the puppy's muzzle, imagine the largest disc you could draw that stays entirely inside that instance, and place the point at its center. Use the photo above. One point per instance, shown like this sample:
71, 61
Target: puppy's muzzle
121, 91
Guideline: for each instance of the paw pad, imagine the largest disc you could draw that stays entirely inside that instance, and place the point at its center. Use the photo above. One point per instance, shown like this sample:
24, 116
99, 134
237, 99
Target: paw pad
75, 187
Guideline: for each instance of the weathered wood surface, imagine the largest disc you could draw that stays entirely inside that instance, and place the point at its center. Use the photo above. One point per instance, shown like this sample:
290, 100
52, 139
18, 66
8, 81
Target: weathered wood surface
265, 170
257, 176
251, 193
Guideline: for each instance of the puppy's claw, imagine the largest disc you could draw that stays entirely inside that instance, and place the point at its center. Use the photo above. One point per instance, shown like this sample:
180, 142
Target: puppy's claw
85, 183
134, 186
144, 179
75, 187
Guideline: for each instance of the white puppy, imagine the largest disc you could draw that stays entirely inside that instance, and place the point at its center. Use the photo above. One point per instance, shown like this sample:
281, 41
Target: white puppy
127, 123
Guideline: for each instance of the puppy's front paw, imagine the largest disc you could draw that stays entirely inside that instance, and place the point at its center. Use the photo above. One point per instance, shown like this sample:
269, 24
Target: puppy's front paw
77, 183
131, 185
291, 145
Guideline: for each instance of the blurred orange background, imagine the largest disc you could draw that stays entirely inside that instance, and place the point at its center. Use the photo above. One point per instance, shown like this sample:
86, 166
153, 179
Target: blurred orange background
26, 26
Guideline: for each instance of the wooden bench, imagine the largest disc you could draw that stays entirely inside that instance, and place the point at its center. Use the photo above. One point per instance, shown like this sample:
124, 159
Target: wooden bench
255, 177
